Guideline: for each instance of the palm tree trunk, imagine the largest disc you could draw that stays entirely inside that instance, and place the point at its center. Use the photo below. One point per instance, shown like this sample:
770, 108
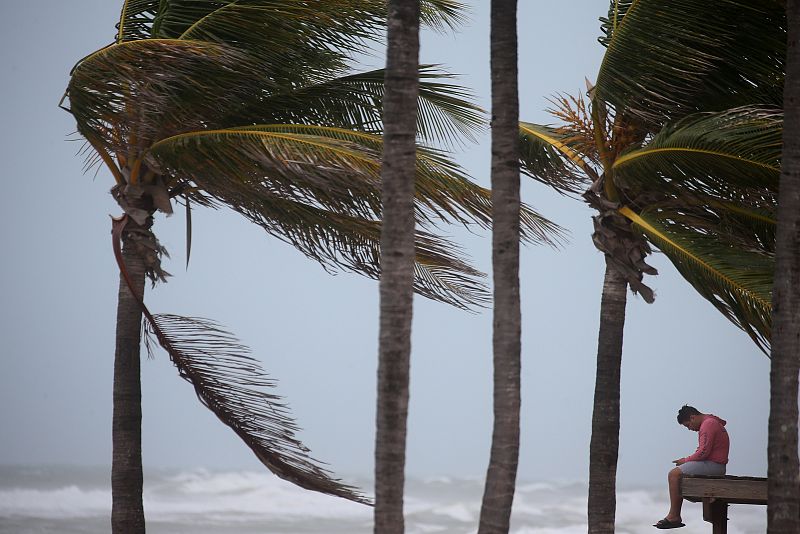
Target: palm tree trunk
604, 446
397, 261
783, 471
127, 511
498, 494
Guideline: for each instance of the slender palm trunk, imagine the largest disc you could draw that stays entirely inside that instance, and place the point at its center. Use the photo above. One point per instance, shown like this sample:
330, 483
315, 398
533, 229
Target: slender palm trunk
127, 511
498, 495
397, 262
604, 446
783, 471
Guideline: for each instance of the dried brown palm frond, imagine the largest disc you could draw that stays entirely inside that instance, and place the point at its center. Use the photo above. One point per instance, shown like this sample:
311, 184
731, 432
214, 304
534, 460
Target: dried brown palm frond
233, 385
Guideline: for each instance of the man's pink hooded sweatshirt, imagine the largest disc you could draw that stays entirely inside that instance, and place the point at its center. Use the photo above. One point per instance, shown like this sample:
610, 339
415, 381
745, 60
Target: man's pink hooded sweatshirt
713, 442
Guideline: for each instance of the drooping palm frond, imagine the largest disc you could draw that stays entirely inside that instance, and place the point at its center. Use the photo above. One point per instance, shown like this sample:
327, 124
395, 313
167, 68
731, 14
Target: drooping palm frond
666, 60
737, 282
446, 111
616, 12
349, 243
733, 156
233, 385
321, 195
751, 229
554, 158
336, 169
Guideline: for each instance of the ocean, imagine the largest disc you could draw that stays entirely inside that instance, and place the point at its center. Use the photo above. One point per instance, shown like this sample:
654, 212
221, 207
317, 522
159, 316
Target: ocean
77, 500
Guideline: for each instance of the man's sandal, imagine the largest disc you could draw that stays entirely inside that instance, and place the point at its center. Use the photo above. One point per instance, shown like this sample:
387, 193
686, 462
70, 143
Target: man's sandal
666, 523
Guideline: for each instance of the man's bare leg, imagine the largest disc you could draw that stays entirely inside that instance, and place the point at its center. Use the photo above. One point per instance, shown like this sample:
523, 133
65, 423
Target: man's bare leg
675, 499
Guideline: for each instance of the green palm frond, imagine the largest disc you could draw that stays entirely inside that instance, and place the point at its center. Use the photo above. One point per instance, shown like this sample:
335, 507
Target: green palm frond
298, 40
616, 12
442, 15
350, 243
446, 114
321, 195
748, 228
130, 94
336, 169
232, 384
136, 19
553, 157
670, 59
733, 224
738, 283
322, 171
726, 155
351, 19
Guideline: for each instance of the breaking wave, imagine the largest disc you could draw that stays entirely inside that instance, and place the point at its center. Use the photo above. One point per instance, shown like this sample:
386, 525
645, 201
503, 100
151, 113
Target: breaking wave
79, 500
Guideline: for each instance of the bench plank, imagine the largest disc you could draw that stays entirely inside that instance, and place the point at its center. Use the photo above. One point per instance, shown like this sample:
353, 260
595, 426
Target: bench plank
734, 490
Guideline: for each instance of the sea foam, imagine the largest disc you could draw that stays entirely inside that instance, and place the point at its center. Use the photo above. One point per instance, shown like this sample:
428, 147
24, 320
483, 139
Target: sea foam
204, 502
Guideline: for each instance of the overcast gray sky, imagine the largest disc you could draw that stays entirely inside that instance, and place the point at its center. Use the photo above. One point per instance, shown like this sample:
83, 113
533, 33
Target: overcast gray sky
316, 333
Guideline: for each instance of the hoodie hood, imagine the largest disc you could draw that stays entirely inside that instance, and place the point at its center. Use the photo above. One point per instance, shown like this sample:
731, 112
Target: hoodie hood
719, 419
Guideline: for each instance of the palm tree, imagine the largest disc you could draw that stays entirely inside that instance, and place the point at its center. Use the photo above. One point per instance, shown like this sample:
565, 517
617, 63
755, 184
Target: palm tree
249, 105
679, 147
783, 468
498, 494
397, 262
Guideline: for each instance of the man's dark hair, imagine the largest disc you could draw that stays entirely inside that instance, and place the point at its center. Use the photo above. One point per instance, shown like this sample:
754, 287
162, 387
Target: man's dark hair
686, 412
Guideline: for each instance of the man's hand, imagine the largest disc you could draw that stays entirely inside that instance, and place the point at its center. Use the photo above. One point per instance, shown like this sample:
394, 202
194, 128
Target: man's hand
679, 461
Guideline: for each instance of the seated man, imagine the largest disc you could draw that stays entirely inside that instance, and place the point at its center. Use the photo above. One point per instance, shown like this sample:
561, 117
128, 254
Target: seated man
710, 458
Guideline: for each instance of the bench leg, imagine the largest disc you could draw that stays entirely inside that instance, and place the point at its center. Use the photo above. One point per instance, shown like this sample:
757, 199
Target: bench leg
719, 517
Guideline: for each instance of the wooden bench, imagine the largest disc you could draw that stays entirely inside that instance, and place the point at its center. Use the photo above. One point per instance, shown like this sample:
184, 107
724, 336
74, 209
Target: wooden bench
717, 492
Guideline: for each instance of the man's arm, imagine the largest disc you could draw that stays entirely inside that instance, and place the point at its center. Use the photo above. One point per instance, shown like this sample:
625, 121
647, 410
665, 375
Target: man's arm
707, 434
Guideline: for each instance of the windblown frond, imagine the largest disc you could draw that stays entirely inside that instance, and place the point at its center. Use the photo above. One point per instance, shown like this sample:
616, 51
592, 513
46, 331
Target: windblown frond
233, 385
442, 15
670, 59
340, 20
737, 282
335, 169
616, 12
130, 94
553, 157
446, 111
136, 19
732, 156
320, 191
298, 40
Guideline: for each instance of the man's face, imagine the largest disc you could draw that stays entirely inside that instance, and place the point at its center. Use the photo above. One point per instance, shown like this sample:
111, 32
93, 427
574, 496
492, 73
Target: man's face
693, 423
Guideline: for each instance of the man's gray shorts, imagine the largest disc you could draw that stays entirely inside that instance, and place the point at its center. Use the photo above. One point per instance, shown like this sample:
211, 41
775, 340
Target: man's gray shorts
704, 467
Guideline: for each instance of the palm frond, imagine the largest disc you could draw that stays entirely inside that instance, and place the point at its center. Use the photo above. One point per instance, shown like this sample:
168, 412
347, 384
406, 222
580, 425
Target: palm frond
298, 40
442, 15
616, 12
732, 224
347, 243
736, 282
332, 168
232, 384
127, 95
343, 21
322, 195
553, 157
725, 155
446, 114
136, 19
670, 59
